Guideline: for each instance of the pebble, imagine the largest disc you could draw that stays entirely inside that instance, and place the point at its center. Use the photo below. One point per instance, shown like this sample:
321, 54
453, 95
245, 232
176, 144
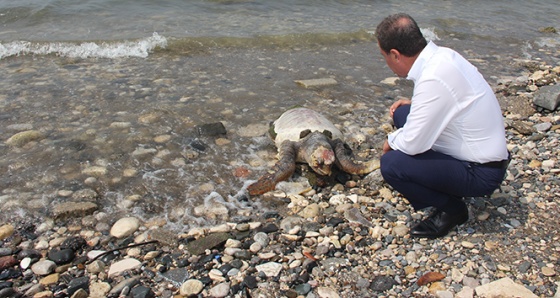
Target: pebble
6, 231
43, 267
124, 265
191, 287
270, 269
504, 287
327, 292
125, 227
220, 290
547, 271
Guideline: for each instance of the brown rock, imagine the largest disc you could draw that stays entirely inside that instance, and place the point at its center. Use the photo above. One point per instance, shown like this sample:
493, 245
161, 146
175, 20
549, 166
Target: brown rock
7, 262
430, 277
6, 231
73, 209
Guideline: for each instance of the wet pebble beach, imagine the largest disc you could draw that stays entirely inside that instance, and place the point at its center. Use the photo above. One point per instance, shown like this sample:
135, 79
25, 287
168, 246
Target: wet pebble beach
343, 238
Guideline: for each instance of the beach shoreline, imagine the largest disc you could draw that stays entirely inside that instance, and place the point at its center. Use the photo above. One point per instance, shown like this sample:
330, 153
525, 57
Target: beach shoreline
313, 244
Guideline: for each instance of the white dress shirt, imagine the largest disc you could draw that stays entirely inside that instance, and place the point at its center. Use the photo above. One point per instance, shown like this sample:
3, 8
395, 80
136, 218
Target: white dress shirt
454, 111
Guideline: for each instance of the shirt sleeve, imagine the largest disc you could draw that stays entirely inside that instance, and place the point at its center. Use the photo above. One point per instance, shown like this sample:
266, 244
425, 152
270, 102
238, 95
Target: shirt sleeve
433, 106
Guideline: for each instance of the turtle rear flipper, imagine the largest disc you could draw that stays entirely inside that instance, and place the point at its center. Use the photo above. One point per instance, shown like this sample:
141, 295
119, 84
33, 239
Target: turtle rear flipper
282, 170
344, 160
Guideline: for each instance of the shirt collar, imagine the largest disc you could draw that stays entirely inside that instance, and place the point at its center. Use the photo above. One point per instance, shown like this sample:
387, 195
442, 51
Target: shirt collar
418, 64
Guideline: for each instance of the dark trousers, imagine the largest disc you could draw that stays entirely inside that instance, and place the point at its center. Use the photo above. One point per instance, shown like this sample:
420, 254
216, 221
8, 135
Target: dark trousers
435, 179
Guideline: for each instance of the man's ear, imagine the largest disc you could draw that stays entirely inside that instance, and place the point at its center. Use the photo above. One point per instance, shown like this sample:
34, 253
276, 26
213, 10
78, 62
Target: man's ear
395, 55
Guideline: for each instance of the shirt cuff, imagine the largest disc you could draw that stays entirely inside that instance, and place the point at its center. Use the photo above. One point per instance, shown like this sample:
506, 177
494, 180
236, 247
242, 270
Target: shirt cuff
391, 138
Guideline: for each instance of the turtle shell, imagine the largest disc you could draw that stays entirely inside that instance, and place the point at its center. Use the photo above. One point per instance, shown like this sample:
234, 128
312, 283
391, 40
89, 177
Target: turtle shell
297, 122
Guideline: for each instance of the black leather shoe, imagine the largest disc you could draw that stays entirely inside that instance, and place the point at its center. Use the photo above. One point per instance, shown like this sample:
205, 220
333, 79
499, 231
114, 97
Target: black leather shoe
438, 224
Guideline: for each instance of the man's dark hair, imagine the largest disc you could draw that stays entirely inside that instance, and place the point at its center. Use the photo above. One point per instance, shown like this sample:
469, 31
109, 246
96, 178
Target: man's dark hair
400, 32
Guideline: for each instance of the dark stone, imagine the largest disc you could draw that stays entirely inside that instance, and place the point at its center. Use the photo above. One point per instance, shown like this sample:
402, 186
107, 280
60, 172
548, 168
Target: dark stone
5, 251
166, 260
212, 129
269, 228
66, 278
28, 231
243, 254
82, 260
78, 283
524, 267
290, 294
224, 269
236, 288
207, 258
250, 281
77, 244
149, 273
272, 214
311, 265
142, 292
364, 242
125, 241
388, 239
236, 263
128, 283
334, 221
247, 244
205, 280
499, 199
197, 145
29, 253
177, 276
303, 277
490, 264
478, 202
10, 273
242, 235
382, 283
200, 245
311, 227
182, 263
6, 284
303, 289
109, 257
62, 256
392, 215
346, 231
9, 293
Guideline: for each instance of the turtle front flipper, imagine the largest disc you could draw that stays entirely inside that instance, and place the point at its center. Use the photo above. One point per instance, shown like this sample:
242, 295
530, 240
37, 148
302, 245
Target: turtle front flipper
282, 170
344, 160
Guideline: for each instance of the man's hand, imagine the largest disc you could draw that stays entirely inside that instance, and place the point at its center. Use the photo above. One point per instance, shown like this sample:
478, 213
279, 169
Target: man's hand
398, 103
386, 147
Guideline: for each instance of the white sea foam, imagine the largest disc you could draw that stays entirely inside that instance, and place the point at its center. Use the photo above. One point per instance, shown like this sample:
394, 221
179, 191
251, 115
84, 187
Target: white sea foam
551, 42
137, 48
429, 34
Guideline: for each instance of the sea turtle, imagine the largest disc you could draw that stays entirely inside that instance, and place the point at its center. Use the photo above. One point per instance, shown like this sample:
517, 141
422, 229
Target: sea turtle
303, 135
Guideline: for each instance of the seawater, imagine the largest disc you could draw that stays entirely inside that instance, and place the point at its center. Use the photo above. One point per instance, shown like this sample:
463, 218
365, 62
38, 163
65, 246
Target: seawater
117, 90
108, 28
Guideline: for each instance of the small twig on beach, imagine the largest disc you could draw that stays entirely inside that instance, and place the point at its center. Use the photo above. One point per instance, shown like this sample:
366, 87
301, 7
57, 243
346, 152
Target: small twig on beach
122, 247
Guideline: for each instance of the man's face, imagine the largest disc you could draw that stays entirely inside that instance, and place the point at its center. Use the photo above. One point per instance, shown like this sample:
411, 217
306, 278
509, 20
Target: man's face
393, 61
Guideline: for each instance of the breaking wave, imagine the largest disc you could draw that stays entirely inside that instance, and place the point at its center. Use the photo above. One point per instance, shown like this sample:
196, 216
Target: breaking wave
137, 48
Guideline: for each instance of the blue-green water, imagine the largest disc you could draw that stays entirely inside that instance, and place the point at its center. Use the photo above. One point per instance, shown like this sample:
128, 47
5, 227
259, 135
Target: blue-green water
134, 28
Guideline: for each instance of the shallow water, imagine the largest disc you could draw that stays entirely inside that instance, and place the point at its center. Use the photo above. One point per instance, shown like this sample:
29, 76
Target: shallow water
130, 120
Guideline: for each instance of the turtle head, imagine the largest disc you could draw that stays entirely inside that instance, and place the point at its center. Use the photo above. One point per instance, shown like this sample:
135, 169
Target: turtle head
321, 160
